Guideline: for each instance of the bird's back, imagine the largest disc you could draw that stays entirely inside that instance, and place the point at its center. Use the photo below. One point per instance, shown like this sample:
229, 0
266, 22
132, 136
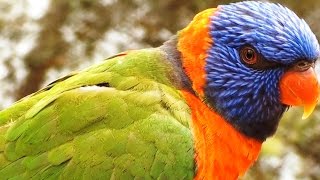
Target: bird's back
121, 119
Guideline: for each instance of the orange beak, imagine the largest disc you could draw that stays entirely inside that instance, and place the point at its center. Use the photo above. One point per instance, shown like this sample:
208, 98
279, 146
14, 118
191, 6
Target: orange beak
300, 88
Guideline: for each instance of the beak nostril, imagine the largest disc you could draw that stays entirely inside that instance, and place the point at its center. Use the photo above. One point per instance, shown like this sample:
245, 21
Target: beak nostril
303, 65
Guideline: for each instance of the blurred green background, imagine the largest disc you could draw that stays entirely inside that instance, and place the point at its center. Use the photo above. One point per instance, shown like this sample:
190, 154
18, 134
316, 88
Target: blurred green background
43, 40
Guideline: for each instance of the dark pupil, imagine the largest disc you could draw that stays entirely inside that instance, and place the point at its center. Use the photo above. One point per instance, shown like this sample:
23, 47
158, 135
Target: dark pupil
249, 54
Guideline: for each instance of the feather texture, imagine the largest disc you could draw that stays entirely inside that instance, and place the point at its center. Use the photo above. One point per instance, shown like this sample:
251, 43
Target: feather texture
75, 128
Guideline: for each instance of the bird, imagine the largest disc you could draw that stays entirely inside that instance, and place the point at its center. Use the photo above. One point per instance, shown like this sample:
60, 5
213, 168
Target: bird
199, 106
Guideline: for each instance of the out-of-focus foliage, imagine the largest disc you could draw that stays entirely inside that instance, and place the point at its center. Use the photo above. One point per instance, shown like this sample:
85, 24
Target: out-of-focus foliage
41, 41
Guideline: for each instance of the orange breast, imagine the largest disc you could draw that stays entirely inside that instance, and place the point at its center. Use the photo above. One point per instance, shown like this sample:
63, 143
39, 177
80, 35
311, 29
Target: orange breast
221, 151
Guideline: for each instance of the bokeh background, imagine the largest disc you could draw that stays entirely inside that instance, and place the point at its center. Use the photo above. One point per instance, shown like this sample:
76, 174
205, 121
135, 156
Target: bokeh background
43, 40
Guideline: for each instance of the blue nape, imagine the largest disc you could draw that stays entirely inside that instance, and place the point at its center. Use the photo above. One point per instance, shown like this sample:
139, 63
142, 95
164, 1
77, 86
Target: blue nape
249, 98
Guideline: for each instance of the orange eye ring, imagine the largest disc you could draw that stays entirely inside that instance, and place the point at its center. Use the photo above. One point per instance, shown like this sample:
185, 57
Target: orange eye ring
248, 55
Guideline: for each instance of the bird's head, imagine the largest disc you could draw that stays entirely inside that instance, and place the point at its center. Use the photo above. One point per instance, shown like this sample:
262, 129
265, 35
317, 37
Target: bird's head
250, 61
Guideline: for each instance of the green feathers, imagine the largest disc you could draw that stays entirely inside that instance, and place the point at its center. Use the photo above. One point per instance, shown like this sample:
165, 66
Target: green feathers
121, 119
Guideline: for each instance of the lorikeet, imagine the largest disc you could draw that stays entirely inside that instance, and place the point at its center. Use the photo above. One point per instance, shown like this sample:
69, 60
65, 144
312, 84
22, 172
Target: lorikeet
198, 107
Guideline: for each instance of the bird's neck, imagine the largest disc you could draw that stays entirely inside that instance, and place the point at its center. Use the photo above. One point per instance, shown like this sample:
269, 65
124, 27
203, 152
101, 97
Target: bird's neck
222, 152
254, 110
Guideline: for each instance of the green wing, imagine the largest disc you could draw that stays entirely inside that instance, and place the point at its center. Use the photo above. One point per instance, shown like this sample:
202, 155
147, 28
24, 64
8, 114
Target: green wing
121, 119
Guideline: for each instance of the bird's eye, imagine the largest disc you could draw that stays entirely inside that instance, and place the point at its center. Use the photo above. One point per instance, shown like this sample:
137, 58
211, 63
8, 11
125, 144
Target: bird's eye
255, 60
248, 55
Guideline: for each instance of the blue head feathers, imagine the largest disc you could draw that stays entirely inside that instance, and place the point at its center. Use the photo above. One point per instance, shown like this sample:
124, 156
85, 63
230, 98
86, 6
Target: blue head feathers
277, 32
249, 97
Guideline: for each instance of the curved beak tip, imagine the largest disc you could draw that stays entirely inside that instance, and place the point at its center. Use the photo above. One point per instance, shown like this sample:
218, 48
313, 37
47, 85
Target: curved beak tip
307, 110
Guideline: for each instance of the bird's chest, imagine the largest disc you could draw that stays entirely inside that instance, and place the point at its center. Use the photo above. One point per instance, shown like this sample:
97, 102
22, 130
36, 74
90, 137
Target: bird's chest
221, 151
